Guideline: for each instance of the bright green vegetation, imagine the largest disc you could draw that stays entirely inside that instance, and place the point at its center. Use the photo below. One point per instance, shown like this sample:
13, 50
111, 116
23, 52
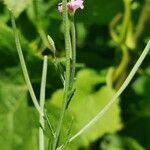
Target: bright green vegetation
110, 38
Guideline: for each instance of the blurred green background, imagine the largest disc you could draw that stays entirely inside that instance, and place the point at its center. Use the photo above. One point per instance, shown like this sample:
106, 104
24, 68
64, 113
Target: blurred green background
110, 37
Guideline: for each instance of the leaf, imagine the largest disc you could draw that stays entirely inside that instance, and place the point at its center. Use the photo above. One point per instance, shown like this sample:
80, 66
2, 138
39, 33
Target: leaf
17, 6
86, 103
8, 52
141, 85
116, 142
16, 130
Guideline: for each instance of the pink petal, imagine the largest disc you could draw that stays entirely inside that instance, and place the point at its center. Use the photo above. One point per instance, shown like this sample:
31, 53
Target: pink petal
75, 5
72, 6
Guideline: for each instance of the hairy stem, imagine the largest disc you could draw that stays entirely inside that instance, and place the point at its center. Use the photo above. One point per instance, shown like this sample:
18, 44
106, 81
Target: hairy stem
73, 58
67, 73
24, 68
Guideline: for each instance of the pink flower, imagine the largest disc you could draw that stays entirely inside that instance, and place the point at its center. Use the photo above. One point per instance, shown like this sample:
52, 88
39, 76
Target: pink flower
72, 6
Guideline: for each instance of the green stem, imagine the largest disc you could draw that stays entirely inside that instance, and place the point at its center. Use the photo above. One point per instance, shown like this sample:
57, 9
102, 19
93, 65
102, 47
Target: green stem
112, 25
115, 97
73, 62
120, 41
142, 20
42, 102
123, 64
24, 68
126, 20
67, 74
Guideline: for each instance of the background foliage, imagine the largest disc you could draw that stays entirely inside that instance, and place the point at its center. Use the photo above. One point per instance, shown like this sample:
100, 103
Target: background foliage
126, 125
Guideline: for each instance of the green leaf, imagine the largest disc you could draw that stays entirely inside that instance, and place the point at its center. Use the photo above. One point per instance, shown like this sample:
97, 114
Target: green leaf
8, 52
87, 102
16, 130
141, 85
140, 99
116, 142
17, 6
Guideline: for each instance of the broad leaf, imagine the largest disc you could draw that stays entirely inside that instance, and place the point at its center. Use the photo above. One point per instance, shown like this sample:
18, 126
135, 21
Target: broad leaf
87, 102
15, 126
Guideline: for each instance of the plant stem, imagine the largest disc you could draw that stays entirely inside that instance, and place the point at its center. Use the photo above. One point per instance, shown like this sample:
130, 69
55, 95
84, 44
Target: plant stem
67, 74
114, 98
143, 18
42, 102
73, 58
123, 64
120, 40
126, 20
24, 68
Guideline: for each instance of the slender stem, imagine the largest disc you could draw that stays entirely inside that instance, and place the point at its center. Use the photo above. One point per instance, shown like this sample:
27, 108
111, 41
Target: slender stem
142, 20
67, 75
73, 58
114, 98
112, 25
126, 20
24, 68
42, 102
123, 64
120, 39
125, 56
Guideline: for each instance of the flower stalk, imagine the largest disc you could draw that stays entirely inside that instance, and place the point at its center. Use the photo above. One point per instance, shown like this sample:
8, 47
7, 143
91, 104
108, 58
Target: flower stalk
73, 52
42, 103
67, 85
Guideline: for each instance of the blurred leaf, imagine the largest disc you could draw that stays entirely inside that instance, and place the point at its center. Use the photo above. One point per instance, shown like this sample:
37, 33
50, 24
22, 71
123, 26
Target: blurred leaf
15, 128
142, 88
116, 142
8, 52
19, 120
142, 85
17, 6
87, 102
4, 14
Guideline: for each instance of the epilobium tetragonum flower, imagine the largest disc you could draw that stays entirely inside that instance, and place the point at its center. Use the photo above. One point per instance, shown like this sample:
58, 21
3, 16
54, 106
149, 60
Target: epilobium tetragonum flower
72, 6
